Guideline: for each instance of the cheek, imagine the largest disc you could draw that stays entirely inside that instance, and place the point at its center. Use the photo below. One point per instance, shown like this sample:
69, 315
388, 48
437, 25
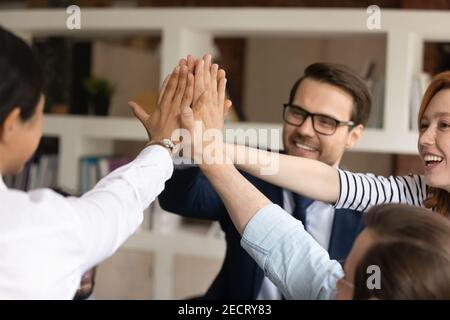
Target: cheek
443, 144
287, 133
32, 140
330, 147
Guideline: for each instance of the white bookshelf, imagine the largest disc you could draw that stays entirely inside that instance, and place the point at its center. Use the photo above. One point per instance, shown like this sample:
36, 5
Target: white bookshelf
190, 30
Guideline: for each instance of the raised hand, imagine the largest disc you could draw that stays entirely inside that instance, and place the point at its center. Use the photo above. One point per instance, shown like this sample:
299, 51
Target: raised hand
191, 63
205, 119
176, 91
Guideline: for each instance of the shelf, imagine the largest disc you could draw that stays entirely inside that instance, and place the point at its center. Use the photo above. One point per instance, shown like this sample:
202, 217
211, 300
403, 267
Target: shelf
121, 128
110, 128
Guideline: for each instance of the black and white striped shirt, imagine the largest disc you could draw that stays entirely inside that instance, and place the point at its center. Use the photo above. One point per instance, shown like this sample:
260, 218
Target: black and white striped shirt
359, 191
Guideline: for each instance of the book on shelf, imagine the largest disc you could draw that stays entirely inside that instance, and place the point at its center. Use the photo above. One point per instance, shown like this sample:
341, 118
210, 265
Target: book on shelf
39, 172
93, 168
376, 88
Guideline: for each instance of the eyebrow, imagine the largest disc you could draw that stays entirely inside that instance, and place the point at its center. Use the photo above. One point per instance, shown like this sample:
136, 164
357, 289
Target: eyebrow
437, 115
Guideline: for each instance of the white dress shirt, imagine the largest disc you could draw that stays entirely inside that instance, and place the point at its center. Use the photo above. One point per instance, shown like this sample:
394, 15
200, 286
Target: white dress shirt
319, 223
47, 241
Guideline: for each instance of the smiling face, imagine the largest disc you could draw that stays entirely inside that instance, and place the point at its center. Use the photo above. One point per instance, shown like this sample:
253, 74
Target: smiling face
323, 98
434, 141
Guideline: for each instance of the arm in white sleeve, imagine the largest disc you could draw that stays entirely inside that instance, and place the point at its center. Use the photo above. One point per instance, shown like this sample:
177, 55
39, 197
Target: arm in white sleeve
113, 210
289, 256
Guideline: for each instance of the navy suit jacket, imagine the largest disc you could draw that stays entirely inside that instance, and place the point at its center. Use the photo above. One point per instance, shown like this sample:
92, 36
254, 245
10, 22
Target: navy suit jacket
190, 194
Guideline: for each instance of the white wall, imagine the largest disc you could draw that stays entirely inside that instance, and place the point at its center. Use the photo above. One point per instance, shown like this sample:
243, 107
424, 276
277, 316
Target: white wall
133, 71
274, 64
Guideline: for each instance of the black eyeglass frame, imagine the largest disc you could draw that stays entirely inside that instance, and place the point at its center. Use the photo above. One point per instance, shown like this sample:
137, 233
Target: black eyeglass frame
351, 124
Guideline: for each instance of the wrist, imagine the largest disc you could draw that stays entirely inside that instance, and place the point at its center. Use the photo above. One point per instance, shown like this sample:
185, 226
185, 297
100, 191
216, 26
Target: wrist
166, 143
213, 157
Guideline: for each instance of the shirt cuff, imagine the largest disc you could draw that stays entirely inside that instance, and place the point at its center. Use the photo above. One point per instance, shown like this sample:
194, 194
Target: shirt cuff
156, 154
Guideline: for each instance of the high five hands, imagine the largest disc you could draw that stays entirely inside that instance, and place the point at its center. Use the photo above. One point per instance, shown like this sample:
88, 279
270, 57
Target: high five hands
192, 97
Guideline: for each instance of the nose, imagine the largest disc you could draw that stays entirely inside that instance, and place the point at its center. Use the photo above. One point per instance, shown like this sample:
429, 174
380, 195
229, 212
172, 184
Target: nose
307, 128
428, 137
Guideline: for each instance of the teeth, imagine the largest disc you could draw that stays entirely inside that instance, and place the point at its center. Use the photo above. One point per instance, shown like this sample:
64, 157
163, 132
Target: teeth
299, 145
429, 157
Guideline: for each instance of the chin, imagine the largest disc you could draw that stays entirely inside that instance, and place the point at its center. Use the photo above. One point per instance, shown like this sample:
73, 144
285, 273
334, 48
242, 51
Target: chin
435, 182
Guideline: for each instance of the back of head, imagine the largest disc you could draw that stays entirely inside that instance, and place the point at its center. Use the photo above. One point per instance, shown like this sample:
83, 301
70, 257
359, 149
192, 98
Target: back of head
412, 251
21, 81
344, 78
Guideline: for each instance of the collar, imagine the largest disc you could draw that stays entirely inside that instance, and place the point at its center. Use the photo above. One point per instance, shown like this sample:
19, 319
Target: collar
2, 184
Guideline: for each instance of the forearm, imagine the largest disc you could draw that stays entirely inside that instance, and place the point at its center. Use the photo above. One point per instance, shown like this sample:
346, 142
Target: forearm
240, 197
289, 256
112, 211
310, 178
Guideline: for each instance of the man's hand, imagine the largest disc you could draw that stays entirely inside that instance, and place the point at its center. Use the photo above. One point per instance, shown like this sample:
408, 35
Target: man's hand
176, 91
191, 63
206, 118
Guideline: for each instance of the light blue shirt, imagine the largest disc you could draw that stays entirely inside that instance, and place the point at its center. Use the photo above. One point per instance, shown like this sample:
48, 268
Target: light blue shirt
289, 255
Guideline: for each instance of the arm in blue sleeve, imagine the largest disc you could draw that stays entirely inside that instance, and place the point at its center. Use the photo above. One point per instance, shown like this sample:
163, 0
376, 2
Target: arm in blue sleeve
289, 256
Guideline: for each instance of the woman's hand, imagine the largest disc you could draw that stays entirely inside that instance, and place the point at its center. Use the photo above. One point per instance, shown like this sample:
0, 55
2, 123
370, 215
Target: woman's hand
176, 92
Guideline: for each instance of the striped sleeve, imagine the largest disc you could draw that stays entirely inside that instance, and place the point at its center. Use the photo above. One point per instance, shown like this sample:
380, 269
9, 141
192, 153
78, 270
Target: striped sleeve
360, 191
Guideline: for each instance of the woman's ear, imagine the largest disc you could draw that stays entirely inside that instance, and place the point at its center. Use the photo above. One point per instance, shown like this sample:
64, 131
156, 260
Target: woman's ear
9, 126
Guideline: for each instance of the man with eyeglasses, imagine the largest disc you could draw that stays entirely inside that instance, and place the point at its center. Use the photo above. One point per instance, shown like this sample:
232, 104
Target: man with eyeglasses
327, 110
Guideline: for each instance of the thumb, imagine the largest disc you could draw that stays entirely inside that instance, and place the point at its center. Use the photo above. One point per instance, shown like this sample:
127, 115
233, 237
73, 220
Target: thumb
187, 118
138, 111
227, 106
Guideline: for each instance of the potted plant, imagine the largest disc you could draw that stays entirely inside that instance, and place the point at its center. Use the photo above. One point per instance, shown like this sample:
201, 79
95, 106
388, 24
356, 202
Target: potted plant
99, 92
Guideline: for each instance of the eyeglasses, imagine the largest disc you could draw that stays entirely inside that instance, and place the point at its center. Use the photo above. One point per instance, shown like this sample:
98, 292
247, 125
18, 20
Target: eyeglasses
326, 125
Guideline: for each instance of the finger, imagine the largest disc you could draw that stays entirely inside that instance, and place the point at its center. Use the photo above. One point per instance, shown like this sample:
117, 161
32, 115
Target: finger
189, 92
163, 88
187, 118
138, 111
220, 74
190, 63
207, 71
170, 89
189, 139
201, 102
182, 62
214, 69
221, 94
180, 88
227, 107
199, 86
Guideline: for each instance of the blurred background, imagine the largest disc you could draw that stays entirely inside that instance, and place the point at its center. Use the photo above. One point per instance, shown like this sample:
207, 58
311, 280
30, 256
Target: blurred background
91, 75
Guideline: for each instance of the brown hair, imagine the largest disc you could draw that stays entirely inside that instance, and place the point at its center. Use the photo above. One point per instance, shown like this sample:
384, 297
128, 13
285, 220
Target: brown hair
438, 199
412, 251
344, 78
